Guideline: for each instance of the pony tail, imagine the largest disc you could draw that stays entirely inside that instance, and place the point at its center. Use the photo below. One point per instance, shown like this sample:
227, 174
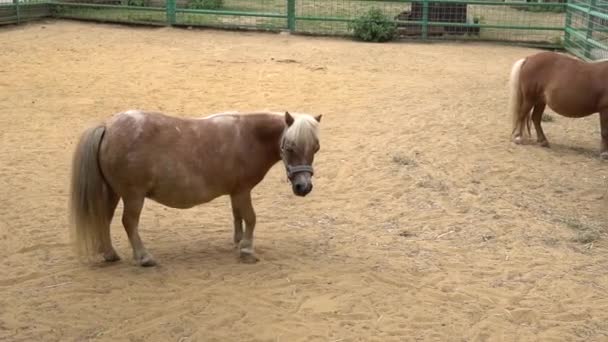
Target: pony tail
88, 195
515, 97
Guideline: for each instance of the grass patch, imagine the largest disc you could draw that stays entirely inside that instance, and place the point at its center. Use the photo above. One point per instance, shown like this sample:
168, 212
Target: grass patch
428, 182
405, 233
403, 160
583, 233
586, 236
547, 118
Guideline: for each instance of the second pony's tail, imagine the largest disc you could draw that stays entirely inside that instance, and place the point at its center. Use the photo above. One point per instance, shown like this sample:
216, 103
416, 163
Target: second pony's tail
515, 99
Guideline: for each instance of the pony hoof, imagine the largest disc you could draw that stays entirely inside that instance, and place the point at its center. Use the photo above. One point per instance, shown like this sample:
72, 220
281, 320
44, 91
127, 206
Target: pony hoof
248, 258
544, 143
147, 261
604, 155
518, 140
111, 257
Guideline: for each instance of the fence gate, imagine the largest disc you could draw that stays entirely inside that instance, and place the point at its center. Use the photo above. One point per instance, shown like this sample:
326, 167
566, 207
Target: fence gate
586, 34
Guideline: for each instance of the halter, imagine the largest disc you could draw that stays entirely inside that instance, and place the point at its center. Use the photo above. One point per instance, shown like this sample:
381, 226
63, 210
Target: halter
293, 170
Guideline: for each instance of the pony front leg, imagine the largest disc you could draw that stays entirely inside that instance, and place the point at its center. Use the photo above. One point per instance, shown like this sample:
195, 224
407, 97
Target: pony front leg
243, 207
604, 130
238, 220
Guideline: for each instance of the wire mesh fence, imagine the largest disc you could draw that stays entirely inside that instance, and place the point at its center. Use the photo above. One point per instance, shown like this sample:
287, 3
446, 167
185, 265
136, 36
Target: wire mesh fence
248, 14
8, 13
577, 25
586, 32
151, 12
17, 11
540, 23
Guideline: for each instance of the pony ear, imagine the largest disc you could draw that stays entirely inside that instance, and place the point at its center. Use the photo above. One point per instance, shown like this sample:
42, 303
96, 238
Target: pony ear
318, 117
288, 119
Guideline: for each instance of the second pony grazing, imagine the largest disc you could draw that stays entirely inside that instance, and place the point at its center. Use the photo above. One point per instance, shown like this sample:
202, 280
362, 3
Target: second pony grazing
571, 87
181, 163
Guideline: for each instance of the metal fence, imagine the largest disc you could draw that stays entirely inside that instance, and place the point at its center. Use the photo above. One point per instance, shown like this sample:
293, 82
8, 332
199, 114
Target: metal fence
586, 30
15, 11
578, 25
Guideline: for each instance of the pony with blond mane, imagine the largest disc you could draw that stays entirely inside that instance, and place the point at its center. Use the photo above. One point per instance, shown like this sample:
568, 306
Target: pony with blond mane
569, 86
181, 163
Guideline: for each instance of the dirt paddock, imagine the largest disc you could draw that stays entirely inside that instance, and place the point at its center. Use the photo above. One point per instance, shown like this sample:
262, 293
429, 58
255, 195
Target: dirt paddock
425, 222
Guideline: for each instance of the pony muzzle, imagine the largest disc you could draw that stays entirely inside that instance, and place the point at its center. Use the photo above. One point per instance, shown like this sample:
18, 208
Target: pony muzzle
301, 179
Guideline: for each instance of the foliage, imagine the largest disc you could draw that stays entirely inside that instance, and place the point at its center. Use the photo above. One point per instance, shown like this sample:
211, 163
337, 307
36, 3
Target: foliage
547, 118
557, 7
206, 4
373, 26
139, 3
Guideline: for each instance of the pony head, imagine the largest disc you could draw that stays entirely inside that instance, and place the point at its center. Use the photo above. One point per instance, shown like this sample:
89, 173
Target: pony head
299, 143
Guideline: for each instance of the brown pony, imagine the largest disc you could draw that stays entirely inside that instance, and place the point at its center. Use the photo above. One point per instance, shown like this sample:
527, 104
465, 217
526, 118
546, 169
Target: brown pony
181, 163
571, 87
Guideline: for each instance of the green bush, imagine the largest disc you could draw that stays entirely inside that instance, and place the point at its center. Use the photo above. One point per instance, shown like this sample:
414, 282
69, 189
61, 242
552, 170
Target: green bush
206, 4
373, 27
136, 3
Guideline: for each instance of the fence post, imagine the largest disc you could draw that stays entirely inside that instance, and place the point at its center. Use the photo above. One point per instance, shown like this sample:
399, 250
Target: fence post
590, 28
17, 11
425, 19
568, 24
291, 15
171, 12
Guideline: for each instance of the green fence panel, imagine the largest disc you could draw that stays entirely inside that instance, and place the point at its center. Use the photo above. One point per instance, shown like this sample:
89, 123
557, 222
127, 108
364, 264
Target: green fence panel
148, 12
171, 7
109, 13
234, 14
590, 27
15, 11
580, 26
9, 13
425, 19
538, 24
291, 15
586, 30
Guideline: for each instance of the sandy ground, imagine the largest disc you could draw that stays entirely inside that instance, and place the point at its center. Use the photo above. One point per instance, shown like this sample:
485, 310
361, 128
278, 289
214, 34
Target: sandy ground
425, 223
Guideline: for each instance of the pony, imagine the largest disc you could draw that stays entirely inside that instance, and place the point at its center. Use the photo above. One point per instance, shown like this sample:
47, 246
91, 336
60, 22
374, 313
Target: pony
569, 86
181, 163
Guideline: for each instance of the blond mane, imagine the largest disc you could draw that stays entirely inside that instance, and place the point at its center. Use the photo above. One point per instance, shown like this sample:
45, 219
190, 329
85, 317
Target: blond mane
304, 130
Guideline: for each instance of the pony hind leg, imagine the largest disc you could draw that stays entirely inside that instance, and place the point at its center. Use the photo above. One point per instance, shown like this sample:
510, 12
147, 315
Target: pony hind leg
106, 248
537, 116
523, 121
604, 132
130, 220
